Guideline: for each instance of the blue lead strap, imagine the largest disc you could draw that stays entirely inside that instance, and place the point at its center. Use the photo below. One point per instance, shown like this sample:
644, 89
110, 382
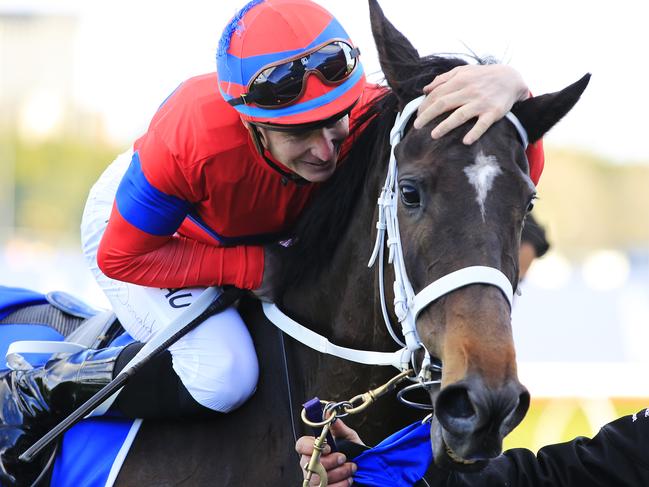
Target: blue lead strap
400, 460
314, 413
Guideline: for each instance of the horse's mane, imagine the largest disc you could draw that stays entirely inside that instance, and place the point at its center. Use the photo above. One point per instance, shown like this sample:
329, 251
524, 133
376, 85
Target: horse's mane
319, 229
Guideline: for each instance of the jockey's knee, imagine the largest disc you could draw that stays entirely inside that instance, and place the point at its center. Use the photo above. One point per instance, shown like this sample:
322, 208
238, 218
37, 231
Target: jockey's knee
226, 383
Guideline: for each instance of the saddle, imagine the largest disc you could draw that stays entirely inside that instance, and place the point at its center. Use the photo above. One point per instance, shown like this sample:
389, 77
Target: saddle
70, 317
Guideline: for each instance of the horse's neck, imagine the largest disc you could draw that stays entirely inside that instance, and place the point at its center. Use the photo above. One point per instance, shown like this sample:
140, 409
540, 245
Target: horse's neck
342, 302
344, 289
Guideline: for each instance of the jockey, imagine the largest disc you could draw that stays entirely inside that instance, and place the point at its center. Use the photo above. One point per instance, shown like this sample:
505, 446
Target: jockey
228, 163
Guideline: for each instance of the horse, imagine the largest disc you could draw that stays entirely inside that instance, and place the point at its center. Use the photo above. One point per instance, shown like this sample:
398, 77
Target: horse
447, 221
445, 225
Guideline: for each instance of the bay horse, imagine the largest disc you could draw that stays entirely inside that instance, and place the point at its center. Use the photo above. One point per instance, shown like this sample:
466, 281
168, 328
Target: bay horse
447, 221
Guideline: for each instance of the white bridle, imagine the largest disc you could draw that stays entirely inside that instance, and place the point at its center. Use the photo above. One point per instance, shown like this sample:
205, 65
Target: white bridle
407, 304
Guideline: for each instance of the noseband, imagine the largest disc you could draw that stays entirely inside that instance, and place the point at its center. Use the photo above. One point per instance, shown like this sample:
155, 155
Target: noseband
407, 304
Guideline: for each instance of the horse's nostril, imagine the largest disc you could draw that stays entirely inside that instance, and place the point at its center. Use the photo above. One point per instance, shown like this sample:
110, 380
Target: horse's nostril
522, 407
524, 400
459, 404
454, 409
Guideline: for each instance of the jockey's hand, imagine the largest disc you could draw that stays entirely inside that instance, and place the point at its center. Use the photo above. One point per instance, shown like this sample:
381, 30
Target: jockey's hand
339, 470
266, 291
487, 92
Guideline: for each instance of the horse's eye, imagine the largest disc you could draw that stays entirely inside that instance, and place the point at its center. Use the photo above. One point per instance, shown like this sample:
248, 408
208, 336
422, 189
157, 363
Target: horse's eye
530, 205
410, 195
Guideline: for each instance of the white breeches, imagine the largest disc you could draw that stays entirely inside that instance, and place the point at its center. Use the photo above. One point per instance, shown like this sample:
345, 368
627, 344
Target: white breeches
216, 361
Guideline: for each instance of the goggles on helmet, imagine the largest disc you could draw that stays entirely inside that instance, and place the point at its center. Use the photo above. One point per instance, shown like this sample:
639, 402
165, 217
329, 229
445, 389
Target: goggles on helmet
281, 84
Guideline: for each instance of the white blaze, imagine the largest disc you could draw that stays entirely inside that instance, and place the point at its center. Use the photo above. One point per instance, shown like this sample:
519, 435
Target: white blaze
481, 175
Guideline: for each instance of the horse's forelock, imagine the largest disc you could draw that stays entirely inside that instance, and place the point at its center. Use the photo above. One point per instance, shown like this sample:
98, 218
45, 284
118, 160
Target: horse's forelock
429, 67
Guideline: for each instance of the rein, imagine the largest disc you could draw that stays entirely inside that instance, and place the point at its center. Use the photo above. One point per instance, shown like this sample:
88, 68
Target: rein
407, 304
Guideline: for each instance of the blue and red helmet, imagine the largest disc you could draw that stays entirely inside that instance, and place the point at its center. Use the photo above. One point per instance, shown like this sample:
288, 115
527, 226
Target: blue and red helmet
288, 62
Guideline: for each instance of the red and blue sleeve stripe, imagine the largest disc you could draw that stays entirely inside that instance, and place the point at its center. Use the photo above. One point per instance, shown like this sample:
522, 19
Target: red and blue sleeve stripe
146, 207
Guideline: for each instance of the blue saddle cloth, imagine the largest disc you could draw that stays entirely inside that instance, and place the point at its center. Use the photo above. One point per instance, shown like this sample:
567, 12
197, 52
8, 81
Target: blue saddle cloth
14, 298
400, 460
92, 451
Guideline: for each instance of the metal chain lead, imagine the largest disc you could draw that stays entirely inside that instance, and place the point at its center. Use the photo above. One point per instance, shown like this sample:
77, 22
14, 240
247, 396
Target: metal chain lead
314, 465
337, 410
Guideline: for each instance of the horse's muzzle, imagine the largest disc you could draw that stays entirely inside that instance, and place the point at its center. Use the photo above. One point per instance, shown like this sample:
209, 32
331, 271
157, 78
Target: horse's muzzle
472, 420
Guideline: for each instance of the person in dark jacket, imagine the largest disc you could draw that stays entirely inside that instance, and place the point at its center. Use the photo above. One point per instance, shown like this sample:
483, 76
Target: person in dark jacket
615, 457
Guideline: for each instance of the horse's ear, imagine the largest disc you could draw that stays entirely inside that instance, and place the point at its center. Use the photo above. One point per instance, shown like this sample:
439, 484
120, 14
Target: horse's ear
398, 57
540, 113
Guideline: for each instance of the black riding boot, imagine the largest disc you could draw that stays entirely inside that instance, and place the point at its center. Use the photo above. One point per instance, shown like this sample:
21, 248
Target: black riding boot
33, 401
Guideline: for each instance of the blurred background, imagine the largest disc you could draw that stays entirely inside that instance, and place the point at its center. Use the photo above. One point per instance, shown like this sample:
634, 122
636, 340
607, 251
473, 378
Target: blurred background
79, 81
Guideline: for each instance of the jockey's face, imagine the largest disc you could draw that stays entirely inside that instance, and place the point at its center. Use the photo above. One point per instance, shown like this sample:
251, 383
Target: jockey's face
311, 154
